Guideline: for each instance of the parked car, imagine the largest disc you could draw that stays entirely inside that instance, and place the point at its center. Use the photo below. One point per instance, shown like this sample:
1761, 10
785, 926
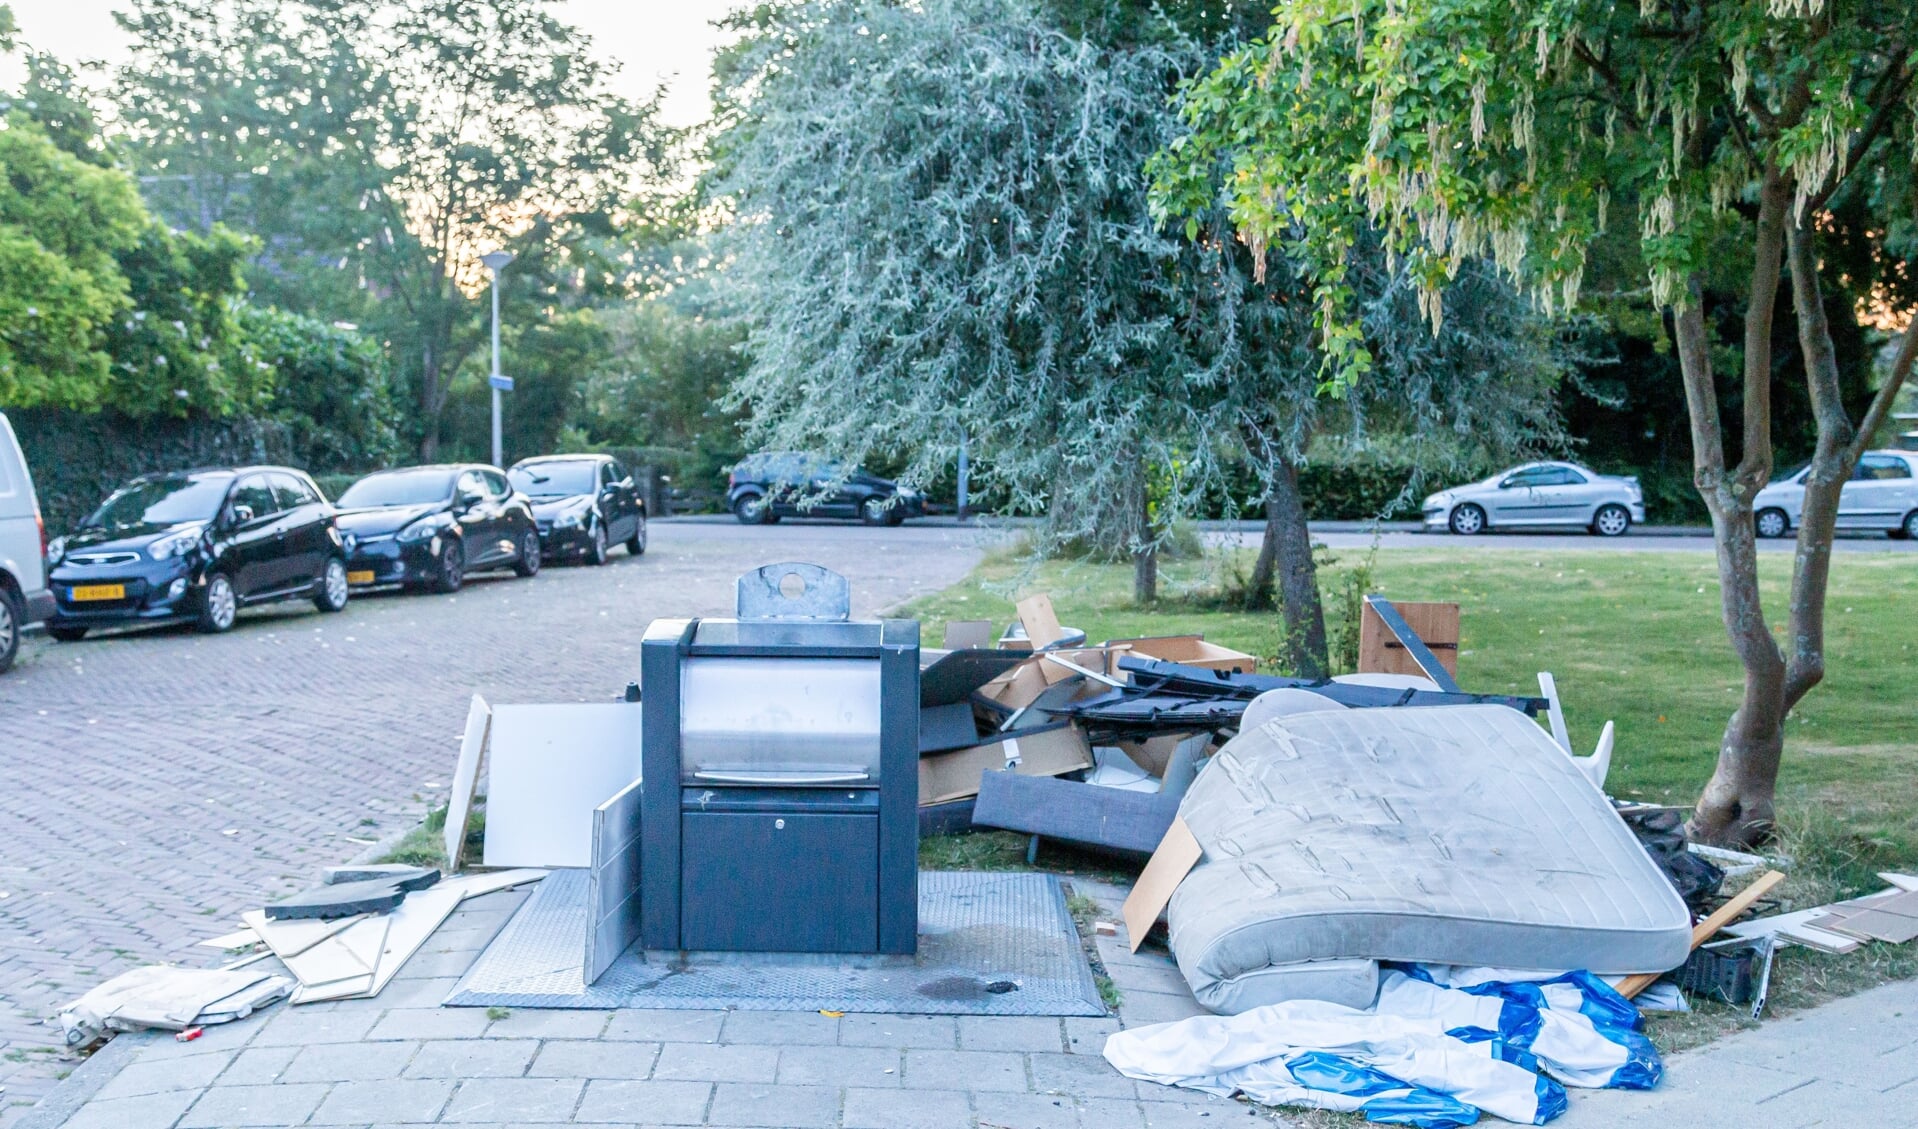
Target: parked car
1539, 494
582, 504
24, 595
1882, 493
430, 526
198, 545
763, 488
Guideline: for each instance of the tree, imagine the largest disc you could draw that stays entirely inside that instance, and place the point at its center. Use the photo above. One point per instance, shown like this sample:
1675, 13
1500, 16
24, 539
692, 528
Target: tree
330, 390
378, 146
1477, 127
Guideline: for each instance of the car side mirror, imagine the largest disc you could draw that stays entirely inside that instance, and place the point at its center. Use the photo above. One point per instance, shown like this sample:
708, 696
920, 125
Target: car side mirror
468, 500
241, 514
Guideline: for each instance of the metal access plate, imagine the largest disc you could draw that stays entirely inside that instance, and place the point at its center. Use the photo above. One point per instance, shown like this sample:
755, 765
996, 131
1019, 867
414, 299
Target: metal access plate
989, 944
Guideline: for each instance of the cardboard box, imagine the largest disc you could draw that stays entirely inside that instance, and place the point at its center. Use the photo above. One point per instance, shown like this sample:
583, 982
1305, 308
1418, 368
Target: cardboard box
1189, 650
1041, 622
1099, 660
1017, 688
1056, 749
1380, 651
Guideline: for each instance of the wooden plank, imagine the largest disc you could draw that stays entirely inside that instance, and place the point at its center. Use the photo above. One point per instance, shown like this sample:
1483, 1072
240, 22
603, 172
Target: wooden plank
1178, 853
1703, 931
1382, 652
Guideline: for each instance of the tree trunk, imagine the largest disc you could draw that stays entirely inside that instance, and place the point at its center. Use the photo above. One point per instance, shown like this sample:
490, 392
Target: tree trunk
1288, 542
429, 404
1265, 567
1145, 553
1736, 806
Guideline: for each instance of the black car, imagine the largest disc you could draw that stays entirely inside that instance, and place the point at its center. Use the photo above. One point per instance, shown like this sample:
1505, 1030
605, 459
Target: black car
584, 504
763, 488
198, 545
429, 526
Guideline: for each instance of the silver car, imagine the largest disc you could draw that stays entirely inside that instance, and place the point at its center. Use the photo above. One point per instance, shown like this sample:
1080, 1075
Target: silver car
1882, 493
1539, 494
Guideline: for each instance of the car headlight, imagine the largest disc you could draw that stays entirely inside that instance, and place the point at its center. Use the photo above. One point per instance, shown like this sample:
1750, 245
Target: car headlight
350, 541
572, 518
173, 545
56, 550
422, 529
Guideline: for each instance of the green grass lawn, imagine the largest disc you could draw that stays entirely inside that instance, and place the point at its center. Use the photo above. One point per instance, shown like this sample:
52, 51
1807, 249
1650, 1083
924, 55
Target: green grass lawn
1632, 637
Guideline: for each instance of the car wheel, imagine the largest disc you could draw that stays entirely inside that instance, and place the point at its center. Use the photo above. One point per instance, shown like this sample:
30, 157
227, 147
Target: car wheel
1772, 523
67, 634
874, 511
1467, 520
753, 509
527, 563
1910, 528
10, 624
219, 606
596, 550
332, 592
1611, 521
636, 544
452, 572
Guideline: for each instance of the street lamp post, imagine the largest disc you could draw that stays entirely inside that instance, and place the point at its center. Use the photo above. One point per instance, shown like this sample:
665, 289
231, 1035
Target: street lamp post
496, 261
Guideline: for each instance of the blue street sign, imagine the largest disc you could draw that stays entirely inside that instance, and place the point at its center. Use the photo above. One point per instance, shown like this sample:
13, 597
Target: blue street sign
503, 383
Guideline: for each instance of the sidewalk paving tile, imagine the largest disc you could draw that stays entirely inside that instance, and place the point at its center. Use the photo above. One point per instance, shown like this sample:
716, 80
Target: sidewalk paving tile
348, 1062
1080, 1076
657, 1026
515, 1101
907, 1109
161, 1077
431, 1023
473, 1058
840, 1066
584, 1058
1026, 1111
360, 1103
148, 1111
786, 1028
654, 1103
549, 1024
1110, 1113
704, 1062
774, 1106
979, 1070
933, 1031
287, 1103
292, 1028
1009, 1033
257, 1066
1087, 1036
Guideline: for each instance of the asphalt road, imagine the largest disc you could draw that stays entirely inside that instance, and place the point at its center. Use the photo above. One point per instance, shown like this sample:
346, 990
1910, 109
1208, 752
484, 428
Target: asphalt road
154, 784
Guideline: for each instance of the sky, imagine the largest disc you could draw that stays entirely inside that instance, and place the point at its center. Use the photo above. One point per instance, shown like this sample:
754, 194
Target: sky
655, 41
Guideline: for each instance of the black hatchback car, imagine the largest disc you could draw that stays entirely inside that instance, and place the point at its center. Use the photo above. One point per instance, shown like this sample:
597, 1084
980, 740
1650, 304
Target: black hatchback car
584, 504
197, 545
763, 488
429, 526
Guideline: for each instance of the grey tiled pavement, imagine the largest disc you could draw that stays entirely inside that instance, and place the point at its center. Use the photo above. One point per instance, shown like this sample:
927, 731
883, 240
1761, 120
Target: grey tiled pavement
155, 784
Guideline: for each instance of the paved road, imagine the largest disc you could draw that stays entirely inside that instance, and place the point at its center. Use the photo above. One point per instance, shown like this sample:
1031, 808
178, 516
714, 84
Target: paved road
155, 784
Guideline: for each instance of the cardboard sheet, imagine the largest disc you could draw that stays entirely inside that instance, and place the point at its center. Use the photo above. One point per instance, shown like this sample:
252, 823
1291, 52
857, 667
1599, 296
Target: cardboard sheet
1039, 752
1190, 650
1040, 621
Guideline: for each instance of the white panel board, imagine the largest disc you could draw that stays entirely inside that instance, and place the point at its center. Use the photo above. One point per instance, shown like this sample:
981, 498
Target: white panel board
459, 805
548, 767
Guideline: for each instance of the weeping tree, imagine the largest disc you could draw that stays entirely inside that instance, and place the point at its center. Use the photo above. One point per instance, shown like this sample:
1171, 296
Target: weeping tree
1469, 128
941, 228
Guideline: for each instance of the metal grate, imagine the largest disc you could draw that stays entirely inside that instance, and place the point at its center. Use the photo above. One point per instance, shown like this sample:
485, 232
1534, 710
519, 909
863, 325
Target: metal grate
989, 944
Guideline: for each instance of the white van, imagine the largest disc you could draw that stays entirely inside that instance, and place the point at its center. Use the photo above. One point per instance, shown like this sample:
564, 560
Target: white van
24, 597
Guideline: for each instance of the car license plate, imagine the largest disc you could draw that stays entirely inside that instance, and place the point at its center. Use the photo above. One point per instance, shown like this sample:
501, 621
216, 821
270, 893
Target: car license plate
99, 592
360, 576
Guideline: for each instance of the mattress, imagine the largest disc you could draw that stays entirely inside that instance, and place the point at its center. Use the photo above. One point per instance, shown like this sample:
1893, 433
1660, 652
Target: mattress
1450, 835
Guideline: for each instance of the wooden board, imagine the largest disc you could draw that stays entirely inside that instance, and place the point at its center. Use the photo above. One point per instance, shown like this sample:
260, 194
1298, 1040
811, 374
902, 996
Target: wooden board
1178, 853
1703, 931
1041, 622
1380, 652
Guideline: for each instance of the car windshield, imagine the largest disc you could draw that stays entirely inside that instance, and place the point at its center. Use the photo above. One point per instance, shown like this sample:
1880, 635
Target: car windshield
555, 480
163, 501
399, 488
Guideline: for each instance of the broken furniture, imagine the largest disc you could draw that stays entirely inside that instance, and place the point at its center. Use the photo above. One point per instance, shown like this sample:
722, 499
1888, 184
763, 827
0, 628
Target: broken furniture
780, 758
170, 999
1453, 835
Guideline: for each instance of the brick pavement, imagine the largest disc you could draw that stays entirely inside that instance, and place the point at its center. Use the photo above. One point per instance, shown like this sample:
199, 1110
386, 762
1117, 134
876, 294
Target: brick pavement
155, 784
